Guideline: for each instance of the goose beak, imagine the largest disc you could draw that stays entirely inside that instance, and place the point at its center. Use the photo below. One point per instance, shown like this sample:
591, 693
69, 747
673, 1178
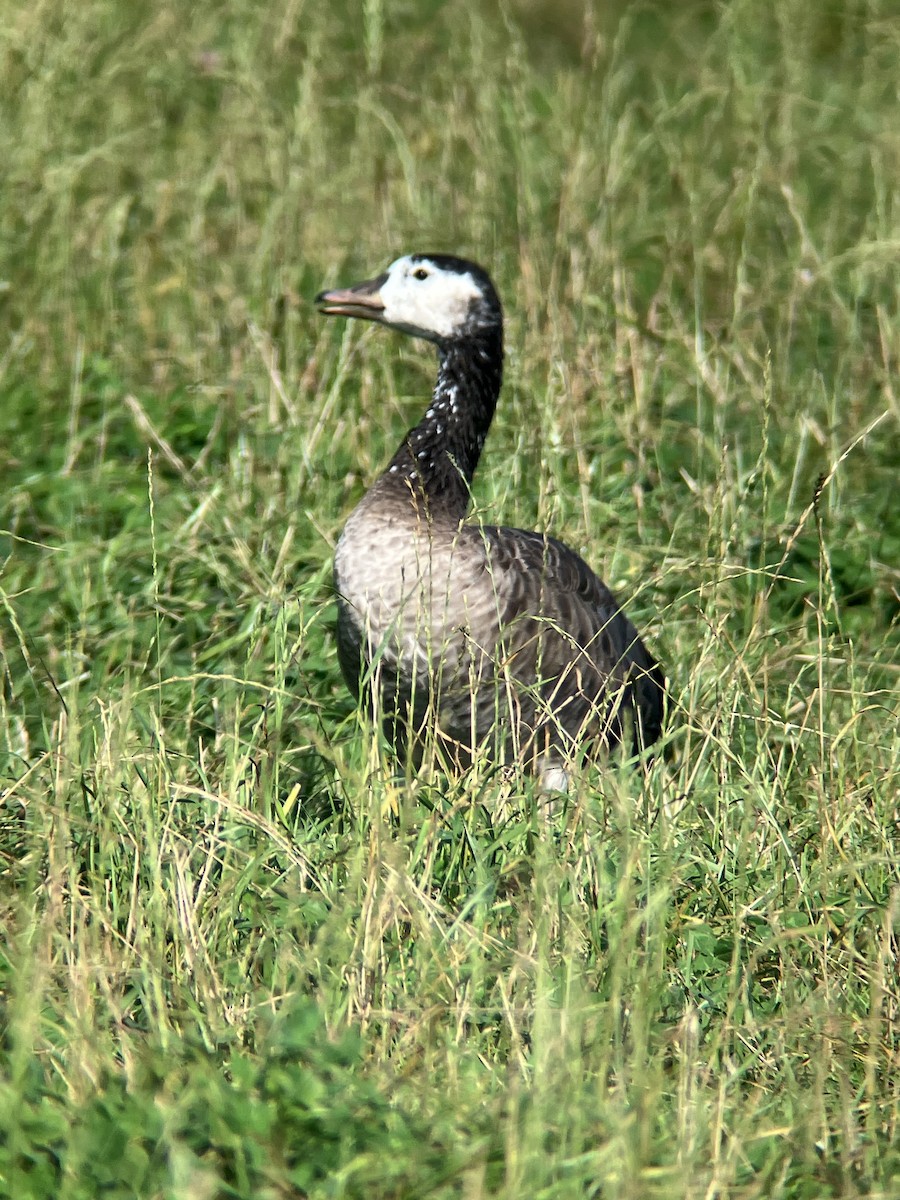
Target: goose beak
360, 300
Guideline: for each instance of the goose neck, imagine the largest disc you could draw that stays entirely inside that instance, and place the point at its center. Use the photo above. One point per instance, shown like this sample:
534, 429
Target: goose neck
438, 457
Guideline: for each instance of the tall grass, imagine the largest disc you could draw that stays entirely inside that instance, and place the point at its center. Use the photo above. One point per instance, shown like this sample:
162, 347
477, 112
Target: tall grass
241, 956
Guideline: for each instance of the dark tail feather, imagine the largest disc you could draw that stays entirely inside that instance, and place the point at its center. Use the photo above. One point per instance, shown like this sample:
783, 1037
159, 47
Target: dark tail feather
649, 705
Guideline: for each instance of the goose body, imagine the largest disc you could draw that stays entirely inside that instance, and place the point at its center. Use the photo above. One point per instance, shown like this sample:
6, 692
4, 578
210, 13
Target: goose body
495, 638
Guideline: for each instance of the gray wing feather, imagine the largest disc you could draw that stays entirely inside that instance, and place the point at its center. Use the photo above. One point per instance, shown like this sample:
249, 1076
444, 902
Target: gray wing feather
560, 625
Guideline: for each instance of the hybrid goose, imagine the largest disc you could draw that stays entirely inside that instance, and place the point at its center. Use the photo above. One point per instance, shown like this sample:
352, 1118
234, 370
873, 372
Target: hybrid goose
496, 639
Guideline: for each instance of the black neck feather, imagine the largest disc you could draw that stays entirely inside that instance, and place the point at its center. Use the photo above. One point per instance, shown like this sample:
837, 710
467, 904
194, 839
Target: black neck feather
436, 460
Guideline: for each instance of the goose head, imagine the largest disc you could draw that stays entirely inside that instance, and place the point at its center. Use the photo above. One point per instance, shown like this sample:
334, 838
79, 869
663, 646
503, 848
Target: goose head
433, 296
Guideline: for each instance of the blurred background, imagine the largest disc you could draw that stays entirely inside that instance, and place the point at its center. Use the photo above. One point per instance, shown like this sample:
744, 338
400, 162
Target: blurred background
691, 213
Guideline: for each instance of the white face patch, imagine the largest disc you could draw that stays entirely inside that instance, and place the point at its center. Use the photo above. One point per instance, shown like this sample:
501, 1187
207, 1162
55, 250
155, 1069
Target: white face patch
426, 301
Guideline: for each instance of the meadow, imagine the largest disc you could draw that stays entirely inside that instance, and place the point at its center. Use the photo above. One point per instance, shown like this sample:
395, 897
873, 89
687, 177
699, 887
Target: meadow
241, 955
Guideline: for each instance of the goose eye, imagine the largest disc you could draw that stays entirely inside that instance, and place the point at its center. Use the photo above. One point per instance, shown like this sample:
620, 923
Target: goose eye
420, 273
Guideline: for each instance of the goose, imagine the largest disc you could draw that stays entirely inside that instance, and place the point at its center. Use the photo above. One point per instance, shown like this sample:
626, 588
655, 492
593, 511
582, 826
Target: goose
497, 640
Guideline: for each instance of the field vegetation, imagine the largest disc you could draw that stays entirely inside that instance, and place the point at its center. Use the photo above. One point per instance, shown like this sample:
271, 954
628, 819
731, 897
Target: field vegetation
240, 955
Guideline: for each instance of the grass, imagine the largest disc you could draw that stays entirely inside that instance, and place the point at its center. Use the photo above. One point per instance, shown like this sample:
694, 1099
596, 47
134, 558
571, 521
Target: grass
241, 958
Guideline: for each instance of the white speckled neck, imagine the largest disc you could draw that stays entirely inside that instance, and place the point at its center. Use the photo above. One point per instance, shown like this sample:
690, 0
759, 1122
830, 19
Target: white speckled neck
438, 457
